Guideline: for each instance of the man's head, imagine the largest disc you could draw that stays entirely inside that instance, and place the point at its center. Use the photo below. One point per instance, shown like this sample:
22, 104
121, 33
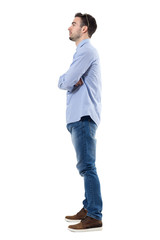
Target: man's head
83, 27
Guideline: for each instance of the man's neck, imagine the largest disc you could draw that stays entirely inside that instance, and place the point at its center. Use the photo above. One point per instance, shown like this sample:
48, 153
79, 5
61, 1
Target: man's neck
80, 40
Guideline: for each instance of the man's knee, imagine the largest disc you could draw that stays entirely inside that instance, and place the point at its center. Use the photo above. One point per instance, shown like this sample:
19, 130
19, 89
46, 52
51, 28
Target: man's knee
85, 170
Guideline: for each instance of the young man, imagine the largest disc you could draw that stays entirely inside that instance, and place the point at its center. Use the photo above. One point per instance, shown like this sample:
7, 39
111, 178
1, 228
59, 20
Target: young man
83, 84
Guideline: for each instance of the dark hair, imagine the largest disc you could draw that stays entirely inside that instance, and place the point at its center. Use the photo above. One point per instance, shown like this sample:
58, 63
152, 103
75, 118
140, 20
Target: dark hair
89, 21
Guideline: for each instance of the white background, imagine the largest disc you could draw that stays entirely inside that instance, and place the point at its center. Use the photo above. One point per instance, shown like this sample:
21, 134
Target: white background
39, 182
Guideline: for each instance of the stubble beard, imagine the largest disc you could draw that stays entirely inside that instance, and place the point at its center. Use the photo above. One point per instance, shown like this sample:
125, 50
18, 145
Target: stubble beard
76, 37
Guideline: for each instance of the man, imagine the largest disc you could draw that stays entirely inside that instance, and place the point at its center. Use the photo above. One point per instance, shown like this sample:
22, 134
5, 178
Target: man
83, 84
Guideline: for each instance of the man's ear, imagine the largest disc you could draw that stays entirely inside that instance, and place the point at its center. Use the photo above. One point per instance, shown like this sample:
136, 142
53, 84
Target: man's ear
84, 29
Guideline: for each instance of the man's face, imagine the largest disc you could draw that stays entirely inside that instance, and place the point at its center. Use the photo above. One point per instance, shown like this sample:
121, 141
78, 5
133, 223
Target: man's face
75, 30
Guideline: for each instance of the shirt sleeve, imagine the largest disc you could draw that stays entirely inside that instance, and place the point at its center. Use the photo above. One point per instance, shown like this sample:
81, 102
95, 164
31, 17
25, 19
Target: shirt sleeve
79, 66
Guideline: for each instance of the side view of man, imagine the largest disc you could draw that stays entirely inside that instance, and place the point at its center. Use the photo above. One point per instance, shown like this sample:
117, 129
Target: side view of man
83, 84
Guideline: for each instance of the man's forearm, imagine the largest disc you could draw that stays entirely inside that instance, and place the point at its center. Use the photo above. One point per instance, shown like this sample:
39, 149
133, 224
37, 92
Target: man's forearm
64, 84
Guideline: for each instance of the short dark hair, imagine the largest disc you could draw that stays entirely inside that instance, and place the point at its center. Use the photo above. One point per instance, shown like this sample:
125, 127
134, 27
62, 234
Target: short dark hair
89, 21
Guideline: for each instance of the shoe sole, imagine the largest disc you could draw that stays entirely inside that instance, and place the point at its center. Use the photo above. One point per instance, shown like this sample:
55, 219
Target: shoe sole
72, 221
86, 230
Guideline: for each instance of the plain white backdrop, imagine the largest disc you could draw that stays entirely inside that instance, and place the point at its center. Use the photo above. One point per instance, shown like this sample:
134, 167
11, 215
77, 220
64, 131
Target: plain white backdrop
39, 182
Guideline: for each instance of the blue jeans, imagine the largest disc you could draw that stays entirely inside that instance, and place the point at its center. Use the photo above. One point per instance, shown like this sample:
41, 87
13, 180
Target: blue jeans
83, 138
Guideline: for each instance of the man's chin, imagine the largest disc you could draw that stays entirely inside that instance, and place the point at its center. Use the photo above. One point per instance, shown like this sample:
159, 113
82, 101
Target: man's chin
72, 39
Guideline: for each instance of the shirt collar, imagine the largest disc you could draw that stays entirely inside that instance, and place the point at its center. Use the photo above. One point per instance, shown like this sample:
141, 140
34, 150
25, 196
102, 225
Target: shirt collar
82, 43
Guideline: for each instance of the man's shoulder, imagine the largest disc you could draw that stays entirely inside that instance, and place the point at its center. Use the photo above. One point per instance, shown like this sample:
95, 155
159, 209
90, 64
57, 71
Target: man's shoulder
89, 50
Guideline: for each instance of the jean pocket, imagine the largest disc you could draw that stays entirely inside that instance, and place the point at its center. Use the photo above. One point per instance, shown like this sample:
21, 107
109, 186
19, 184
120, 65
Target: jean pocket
70, 126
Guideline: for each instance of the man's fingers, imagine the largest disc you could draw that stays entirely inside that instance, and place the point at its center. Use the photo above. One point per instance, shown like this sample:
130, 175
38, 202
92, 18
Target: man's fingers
79, 83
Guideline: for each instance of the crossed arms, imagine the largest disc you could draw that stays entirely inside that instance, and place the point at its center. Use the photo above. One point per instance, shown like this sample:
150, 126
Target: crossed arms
73, 77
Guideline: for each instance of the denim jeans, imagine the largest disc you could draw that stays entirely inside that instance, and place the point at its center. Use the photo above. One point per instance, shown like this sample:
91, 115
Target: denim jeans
83, 138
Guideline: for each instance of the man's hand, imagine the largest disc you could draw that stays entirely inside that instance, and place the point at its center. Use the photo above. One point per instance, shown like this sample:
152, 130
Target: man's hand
79, 83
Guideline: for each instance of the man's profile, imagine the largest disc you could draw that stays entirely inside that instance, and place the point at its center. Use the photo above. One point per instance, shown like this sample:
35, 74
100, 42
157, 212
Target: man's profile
82, 82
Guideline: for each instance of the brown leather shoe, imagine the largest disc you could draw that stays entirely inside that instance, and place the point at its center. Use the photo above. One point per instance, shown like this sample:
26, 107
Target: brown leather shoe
87, 224
78, 217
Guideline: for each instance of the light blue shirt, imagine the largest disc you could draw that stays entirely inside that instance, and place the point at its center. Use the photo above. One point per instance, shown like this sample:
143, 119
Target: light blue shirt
84, 100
